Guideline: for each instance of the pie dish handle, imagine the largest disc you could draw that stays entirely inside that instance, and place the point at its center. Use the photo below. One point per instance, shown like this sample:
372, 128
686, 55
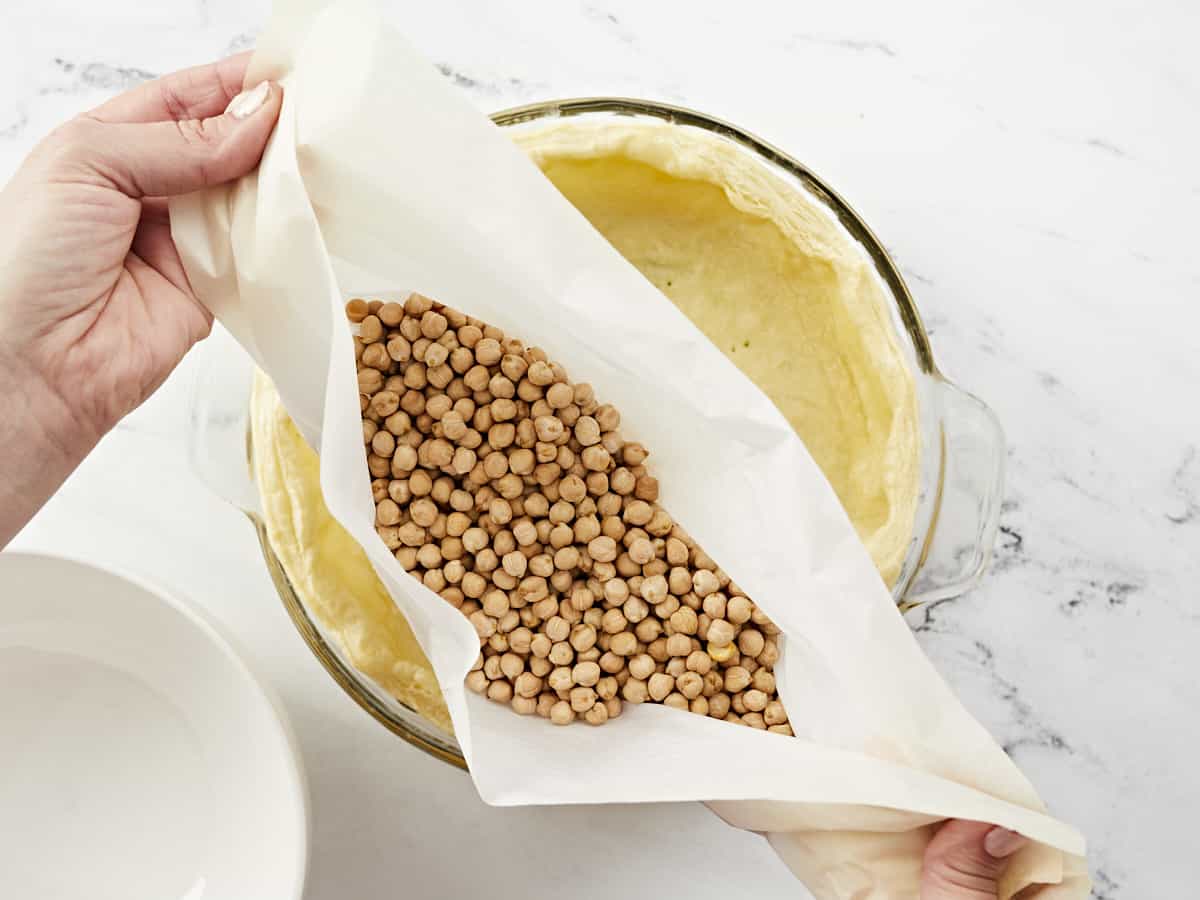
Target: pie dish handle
970, 486
219, 421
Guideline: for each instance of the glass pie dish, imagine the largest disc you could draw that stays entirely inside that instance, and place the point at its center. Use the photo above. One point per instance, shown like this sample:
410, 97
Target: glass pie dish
959, 445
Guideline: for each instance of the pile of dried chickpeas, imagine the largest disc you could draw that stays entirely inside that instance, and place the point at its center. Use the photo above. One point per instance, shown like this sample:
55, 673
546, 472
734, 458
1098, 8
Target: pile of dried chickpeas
509, 491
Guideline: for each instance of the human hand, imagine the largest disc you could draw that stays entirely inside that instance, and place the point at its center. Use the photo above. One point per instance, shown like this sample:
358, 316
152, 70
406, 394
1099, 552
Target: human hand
95, 307
965, 860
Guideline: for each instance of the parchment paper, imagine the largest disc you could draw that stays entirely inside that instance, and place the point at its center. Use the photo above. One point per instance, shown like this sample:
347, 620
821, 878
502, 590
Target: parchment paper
381, 178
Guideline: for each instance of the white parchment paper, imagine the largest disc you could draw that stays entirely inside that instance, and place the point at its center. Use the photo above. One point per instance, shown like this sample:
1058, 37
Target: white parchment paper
381, 178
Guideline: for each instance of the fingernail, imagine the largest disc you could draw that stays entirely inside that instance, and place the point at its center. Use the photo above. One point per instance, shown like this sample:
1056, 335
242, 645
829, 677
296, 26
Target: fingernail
1000, 842
247, 103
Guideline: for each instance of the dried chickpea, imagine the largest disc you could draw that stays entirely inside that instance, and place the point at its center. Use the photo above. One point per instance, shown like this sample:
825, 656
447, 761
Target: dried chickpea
560, 679
572, 489
602, 548
657, 649
718, 706
654, 590
611, 663
684, 621
755, 700
557, 628
524, 706
704, 583
676, 700
544, 703
646, 488
596, 458
549, 428
690, 684
608, 417
660, 523
713, 683
774, 714
583, 637
737, 679
484, 624
586, 674
560, 396
642, 666
623, 644
679, 645
540, 373
648, 630
750, 642
607, 687
587, 431
739, 610
641, 551
635, 609
720, 633
582, 699
477, 681
511, 665
587, 529
561, 713
622, 481
769, 655
515, 563
660, 685
715, 606
635, 691
614, 621
679, 582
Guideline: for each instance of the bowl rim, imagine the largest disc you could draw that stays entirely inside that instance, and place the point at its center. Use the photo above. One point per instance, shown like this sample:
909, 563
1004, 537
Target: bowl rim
234, 656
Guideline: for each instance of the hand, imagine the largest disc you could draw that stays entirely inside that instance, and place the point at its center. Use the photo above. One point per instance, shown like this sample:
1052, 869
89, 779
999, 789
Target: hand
965, 860
95, 308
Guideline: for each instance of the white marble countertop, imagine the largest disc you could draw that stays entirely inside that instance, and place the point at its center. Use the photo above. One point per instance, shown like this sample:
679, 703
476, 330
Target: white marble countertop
1032, 170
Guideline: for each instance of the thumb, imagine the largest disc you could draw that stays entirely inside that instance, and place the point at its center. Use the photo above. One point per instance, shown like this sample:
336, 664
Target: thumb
157, 159
965, 860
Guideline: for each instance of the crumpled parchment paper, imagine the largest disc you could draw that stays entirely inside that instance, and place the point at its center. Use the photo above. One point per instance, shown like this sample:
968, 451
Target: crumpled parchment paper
381, 178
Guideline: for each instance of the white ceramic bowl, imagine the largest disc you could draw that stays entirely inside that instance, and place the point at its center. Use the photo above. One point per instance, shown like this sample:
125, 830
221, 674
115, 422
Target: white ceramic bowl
139, 756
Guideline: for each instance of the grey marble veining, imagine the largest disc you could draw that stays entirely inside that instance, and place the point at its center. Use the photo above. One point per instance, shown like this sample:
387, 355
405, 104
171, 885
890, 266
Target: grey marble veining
1033, 172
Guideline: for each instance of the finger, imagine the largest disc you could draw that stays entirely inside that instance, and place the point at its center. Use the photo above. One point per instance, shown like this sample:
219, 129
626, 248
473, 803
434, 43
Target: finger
965, 860
161, 159
176, 322
195, 93
153, 243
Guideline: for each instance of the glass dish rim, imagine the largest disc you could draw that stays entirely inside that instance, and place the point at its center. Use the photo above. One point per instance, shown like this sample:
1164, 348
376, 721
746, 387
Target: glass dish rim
435, 742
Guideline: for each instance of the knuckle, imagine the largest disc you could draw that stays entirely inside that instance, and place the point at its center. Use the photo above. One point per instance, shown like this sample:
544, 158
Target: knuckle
74, 138
196, 132
959, 875
205, 137
71, 150
172, 98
